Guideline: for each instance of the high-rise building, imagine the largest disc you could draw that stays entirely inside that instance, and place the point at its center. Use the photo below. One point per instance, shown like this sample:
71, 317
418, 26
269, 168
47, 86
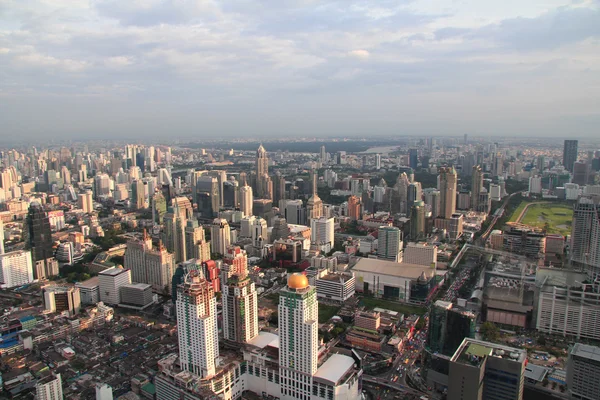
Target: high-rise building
104, 391
400, 194
102, 185
208, 196
110, 282
196, 245
432, 200
295, 212
62, 298
264, 185
174, 233
447, 187
152, 266
476, 186
220, 235
413, 158
259, 233
84, 201
16, 268
414, 194
298, 337
322, 233
262, 161
570, 154
198, 334
585, 235
389, 243
449, 325
138, 194
314, 206
583, 372
323, 155
246, 199
40, 235
581, 172
240, 301
354, 207
49, 387
418, 223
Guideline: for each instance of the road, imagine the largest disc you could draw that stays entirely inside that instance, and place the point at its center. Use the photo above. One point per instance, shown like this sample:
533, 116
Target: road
497, 216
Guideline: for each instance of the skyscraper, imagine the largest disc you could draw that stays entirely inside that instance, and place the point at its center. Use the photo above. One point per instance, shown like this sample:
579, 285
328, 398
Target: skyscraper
413, 158
298, 337
264, 184
16, 268
314, 206
198, 335
570, 154
138, 194
400, 194
262, 162
447, 182
354, 207
417, 221
585, 235
153, 266
389, 243
246, 200
220, 235
196, 245
322, 233
240, 301
414, 194
476, 186
84, 201
174, 233
259, 232
40, 236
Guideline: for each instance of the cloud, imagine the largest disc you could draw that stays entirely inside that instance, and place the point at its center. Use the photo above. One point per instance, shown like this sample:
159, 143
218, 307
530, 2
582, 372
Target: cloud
360, 53
118, 62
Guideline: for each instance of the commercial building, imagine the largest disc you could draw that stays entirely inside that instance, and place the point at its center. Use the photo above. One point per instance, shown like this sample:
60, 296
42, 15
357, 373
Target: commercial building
220, 236
570, 154
110, 282
449, 325
49, 387
336, 286
246, 200
585, 236
149, 265
136, 295
447, 188
16, 269
483, 370
583, 372
394, 281
389, 243
84, 201
420, 254
40, 235
476, 188
89, 291
418, 223
322, 233
521, 239
60, 299
196, 245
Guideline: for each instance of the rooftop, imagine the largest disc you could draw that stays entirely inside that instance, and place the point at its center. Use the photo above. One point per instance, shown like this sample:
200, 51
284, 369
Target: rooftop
142, 286
113, 271
91, 283
335, 368
586, 351
265, 339
391, 268
472, 351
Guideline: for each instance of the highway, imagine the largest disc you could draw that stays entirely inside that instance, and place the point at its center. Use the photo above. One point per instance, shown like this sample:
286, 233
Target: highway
497, 216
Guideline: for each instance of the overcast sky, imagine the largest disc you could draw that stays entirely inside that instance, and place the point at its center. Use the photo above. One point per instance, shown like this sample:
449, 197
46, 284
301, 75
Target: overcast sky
152, 68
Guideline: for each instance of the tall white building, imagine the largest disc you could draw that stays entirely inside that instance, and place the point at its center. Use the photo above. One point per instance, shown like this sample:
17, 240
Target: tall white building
295, 212
389, 243
246, 199
239, 300
420, 254
322, 233
197, 326
1, 237
16, 268
103, 392
110, 282
583, 372
196, 245
49, 387
154, 267
535, 184
585, 235
84, 201
259, 233
220, 235
298, 337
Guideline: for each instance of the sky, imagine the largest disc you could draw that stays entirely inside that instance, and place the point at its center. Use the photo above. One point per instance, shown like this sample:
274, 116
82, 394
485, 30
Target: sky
95, 69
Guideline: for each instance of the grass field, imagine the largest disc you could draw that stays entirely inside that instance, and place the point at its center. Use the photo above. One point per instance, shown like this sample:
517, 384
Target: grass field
557, 216
406, 309
515, 215
326, 312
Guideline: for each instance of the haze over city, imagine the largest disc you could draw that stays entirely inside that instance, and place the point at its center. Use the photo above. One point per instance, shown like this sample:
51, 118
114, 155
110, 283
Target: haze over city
200, 69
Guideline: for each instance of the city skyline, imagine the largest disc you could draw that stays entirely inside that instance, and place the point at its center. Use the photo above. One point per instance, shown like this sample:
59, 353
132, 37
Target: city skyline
196, 70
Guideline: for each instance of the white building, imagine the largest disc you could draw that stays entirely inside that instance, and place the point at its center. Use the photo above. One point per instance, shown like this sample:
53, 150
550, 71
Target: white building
337, 286
60, 299
103, 392
535, 184
322, 233
16, 269
110, 281
572, 191
89, 291
389, 243
246, 226
84, 201
220, 236
495, 192
148, 265
259, 233
583, 372
420, 254
246, 200
198, 335
49, 388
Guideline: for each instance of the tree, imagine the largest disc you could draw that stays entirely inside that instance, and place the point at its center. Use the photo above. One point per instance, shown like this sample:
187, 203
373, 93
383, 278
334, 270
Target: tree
489, 331
274, 318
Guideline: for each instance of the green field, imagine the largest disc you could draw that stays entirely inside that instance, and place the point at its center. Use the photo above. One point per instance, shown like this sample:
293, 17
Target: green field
405, 309
557, 216
326, 312
515, 214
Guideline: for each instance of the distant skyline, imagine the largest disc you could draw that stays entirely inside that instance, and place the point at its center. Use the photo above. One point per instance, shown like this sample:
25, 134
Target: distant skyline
94, 69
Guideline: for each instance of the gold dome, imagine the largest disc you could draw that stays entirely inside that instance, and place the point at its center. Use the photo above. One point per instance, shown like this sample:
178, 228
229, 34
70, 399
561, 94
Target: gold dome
297, 281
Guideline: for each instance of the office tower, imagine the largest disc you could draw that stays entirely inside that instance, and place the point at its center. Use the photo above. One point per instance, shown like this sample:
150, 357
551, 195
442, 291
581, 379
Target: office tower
16, 268
280, 229
585, 235
230, 193
262, 162
1, 237
535, 184
138, 194
279, 192
447, 183
465, 139
110, 282
449, 325
104, 391
220, 236
152, 266
322, 233
414, 194
159, 208
102, 185
400, 194
246, 200
413, 158
208, 196
541, 163
196, 245
298, 337
259, 233
240, 301
84, 201
49, 387
221, 179
264, 185
58, 299
174, 233
183, 207
198, 334
476, 186
432, 200
314, 206
40, 236
378, 161
417, 221
583, 372
389, 243
354, 207
295, 212
581, 172
483, 370
323, 155
570, 154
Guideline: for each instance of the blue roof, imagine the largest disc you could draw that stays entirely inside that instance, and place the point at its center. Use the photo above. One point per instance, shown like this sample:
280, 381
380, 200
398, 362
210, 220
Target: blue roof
27, 318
